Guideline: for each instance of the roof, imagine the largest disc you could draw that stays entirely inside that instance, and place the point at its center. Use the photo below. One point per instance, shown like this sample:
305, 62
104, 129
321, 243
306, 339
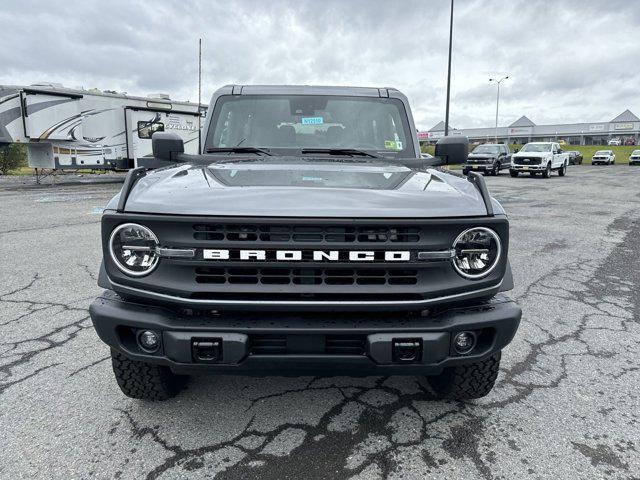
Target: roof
310, 90
439, 127
523, 121
626, 116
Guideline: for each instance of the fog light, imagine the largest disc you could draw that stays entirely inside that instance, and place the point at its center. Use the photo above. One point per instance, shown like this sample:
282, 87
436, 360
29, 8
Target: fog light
464, 342
148, 340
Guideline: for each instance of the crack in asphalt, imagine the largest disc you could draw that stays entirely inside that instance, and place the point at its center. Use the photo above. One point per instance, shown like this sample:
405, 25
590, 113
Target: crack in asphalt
379, 427
463, 424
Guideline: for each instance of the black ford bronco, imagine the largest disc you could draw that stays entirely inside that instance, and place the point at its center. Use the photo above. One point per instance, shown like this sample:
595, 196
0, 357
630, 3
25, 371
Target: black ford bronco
309, 238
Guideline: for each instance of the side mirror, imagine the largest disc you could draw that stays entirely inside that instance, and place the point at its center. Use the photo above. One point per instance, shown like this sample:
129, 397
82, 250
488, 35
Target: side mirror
453, 150
516, 150
166, 146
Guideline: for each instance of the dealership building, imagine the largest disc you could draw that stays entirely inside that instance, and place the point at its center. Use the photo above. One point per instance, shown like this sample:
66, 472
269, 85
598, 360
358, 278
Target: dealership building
625, 126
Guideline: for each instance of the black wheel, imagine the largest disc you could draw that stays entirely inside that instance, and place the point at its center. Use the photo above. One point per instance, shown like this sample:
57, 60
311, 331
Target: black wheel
145, 381
465, 172
496, 169
464, 382
562, 170
513, 173
547, 171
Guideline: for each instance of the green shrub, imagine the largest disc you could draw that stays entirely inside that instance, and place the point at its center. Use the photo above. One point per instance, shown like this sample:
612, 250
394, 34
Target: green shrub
12, 157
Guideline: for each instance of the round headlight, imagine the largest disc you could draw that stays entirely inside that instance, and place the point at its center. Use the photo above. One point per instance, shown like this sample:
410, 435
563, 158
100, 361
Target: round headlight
133, 249
477, 252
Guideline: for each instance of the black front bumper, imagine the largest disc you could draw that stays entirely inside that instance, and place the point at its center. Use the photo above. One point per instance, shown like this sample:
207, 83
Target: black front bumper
479, 167
327, 343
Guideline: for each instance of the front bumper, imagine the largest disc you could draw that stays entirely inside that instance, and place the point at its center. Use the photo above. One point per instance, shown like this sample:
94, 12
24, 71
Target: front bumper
528, 168
327, 343
482, 167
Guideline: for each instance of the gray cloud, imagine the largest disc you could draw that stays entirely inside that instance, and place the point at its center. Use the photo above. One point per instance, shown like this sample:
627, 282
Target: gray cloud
567, 61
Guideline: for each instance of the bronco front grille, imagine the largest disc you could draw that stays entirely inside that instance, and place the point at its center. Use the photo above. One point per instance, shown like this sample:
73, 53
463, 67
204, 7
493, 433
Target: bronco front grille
305, 233
306, 276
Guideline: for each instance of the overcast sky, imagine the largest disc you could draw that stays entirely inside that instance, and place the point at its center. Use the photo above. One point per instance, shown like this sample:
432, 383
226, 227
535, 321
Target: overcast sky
568, 61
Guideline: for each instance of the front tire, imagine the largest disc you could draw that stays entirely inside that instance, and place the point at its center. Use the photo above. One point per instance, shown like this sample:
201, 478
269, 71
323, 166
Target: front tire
513, 173
465, 382
563, 170
547, 171
145, 381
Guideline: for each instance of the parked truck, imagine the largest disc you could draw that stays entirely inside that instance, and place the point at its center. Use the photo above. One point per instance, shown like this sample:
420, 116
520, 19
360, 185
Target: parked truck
539, 157
310, 237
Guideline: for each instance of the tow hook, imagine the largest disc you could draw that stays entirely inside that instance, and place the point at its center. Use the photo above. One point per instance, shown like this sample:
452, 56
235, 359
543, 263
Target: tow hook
407, 350
206, 350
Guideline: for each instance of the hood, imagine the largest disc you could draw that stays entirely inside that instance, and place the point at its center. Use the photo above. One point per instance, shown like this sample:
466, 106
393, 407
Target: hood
481, 156
531, 154
293, 187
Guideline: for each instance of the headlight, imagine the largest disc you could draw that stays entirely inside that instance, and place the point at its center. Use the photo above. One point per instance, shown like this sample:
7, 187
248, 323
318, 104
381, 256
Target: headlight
477, 252
133, 249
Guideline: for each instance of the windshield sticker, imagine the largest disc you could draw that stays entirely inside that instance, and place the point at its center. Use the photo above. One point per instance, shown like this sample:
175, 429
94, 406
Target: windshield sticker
392, 145
312, 120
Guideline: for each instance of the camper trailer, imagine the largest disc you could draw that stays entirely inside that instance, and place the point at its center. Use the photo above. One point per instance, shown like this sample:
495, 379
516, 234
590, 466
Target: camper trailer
90, 129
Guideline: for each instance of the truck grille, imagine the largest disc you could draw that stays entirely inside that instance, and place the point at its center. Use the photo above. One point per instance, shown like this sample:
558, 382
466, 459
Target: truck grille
305, 233
526, 161
306, 276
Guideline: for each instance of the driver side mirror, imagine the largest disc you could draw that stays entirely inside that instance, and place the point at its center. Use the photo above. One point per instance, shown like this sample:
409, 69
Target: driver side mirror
452, 150
167, 146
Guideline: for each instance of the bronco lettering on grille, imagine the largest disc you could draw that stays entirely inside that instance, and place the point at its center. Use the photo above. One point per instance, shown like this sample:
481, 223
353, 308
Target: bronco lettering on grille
307, 255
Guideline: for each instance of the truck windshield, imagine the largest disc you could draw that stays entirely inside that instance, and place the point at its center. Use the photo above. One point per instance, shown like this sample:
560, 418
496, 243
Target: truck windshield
536, 147
486, 149
286, 124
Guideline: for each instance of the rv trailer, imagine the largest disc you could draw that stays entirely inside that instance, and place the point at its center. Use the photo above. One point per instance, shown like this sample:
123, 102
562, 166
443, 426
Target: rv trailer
66, 128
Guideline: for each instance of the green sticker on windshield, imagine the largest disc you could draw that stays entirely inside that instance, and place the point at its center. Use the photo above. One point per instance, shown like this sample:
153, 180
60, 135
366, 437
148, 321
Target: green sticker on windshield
393, 145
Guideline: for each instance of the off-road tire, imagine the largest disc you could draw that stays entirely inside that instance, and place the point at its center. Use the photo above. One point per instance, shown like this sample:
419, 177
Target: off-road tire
562, 170
145, 381
547, 172
465, 382
513, 173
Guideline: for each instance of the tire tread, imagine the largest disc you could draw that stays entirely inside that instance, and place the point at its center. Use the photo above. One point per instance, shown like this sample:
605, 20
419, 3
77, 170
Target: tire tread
145, 381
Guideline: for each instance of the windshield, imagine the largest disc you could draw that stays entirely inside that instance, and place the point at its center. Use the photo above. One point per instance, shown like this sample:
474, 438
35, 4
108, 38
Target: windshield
536, 147
285, 124
603, 152
636, 152
486, 149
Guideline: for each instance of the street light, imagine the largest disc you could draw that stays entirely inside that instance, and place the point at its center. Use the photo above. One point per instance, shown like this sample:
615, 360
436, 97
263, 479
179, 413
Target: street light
497, 100
446, 116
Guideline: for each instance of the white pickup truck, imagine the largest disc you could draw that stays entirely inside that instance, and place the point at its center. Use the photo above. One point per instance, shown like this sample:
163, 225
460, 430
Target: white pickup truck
539, 157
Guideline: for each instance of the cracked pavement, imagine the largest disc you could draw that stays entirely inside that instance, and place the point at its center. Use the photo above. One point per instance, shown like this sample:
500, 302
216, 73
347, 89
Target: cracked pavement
566, 403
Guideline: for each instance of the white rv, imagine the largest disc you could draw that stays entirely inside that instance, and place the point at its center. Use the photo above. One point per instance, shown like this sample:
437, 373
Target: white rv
71, 129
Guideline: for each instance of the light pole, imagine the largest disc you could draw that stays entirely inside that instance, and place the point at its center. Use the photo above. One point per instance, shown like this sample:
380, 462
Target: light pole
498, 81
446, 116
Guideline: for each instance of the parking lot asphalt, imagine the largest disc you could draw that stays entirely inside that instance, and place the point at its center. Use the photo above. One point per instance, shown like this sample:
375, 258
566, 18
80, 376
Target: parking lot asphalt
566, 404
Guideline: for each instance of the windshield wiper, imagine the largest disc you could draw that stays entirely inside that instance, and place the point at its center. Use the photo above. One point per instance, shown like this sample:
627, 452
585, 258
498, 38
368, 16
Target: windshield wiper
261, 151
339, 151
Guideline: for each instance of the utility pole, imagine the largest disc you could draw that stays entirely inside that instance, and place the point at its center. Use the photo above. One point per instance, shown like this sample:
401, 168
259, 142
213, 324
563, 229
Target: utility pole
199, 95
497, 100
446, 116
